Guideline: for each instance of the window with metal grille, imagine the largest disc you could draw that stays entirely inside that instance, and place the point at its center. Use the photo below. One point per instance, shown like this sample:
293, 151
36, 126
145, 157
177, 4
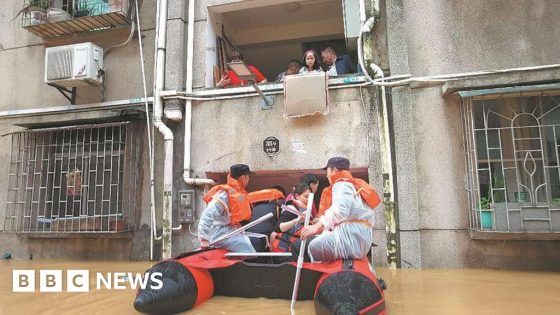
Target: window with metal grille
513, 154
72, 179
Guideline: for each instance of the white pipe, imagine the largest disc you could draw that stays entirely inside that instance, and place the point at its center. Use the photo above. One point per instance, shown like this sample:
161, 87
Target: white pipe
446, 77
159, 79
387, 167
153, 225
188, 105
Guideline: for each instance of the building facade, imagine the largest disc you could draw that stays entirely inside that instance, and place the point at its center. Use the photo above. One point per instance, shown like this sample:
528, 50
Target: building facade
474, 153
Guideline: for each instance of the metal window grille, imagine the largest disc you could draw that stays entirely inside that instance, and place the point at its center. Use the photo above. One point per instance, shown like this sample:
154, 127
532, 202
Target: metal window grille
512, 153
72, 179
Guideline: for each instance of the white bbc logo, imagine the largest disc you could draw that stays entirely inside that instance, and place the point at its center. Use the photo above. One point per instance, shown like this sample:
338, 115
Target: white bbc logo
50, 281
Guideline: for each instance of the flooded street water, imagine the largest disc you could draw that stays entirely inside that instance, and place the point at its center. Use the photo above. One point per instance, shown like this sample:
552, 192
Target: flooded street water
465, 291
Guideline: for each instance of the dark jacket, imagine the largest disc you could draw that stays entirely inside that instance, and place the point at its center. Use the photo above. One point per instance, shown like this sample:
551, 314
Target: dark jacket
344, 65
268, 226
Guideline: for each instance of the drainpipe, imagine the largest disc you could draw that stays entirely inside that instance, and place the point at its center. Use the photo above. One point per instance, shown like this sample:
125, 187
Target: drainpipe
384, 135
161, 36
188, 106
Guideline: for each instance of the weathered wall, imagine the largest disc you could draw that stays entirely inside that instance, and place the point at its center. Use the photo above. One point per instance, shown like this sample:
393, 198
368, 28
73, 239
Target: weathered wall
22, 61
220, 141
439, 37
460, 36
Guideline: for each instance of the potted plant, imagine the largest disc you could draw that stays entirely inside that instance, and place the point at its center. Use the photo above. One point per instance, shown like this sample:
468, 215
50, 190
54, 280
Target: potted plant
35, 12
59, 10
486, 214
83, 8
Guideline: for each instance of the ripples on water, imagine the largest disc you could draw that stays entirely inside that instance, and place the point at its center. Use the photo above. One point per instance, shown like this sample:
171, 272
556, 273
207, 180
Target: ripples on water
463, 291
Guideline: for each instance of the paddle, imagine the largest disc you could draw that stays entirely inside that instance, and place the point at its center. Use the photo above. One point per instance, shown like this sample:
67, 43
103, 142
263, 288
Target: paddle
300, 257
242, 229
225, 236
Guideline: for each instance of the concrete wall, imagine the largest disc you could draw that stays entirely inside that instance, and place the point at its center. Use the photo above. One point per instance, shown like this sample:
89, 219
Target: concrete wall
224, 132
22, 60
305, 143
439, 37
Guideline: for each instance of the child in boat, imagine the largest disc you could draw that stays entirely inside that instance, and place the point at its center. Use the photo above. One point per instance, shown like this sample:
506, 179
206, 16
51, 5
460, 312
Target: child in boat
290, 224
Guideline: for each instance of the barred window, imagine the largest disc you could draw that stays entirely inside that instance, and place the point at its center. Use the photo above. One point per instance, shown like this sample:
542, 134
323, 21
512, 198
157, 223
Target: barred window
513, 153
72, 179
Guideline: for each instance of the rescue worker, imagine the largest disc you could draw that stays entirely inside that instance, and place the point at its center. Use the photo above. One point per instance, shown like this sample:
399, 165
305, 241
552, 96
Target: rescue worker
345, 227
227, 206
264, 202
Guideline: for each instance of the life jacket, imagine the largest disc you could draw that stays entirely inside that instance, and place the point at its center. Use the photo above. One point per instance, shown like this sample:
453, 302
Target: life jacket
238, 208
265, 195
284, 240
367, 193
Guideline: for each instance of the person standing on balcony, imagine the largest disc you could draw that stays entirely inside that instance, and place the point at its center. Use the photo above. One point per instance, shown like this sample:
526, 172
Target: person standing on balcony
231, 79
293, 68
311, 62
344, 230
337, 65
227, 206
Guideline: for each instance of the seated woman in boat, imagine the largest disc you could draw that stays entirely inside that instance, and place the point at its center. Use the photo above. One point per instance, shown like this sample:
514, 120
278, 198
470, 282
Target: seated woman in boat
289, 223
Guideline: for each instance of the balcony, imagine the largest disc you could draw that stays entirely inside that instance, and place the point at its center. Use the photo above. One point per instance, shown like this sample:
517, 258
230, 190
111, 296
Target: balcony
51, 19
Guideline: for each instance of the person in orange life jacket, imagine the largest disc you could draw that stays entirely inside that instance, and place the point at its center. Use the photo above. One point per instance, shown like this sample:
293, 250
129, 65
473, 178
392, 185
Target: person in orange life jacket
231, 79
345, 229
290, 224
226, 207
264, 202
313, 182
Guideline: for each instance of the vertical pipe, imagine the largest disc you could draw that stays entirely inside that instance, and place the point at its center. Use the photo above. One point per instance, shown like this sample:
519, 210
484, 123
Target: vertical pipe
159, 78
385, 138
188, 104
189, 88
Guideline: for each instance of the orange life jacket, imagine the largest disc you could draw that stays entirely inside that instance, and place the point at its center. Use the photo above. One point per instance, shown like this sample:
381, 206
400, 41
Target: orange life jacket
368, 194
265, 195
284, 240
238, 207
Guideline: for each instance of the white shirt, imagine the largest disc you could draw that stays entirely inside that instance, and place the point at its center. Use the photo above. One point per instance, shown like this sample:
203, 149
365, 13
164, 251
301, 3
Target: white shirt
332, 70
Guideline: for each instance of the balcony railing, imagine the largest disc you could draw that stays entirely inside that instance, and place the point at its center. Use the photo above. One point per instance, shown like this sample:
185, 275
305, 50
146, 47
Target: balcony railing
53, 18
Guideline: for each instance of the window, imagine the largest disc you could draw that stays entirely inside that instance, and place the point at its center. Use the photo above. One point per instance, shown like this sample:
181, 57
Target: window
72, 179
270, 33
513, 157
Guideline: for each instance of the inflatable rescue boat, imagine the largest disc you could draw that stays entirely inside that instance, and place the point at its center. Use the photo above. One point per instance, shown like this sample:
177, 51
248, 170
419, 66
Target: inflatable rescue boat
339, 287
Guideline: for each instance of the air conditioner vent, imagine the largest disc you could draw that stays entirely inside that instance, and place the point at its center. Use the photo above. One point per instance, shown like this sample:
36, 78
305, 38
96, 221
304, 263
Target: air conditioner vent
60, 63
74, 65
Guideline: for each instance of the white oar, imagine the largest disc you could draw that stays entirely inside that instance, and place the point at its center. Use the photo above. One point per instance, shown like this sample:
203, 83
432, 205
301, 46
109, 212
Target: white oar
292, 210
242, 229
300, 257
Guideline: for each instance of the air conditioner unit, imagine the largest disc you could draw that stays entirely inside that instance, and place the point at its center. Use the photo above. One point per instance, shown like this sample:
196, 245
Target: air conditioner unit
74, 65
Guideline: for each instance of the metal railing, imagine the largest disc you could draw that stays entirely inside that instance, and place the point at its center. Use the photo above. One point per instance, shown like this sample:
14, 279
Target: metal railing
73, 180
512, 154
47, 19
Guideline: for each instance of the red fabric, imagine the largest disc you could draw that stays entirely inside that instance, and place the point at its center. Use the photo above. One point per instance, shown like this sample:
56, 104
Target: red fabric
204, 284
234, 79
215, 258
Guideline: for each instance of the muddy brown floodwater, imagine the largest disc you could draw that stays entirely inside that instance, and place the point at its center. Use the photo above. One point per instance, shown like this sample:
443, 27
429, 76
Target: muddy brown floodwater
460, 291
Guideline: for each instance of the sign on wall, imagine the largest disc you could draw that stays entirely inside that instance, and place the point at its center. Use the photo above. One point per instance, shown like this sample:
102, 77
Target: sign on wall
271, 146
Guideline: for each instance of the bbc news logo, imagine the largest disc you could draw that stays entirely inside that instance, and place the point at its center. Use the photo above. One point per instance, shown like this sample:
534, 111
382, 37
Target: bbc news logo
78, 280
